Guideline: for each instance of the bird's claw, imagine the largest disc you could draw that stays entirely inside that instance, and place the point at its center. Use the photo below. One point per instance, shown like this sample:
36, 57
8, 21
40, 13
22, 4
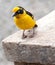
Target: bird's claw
31, 36
25, 36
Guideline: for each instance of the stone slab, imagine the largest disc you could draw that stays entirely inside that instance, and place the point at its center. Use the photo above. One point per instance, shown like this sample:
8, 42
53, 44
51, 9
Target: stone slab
39, 49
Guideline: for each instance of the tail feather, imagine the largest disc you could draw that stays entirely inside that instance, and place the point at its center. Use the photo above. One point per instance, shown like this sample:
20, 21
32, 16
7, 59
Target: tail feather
35, 26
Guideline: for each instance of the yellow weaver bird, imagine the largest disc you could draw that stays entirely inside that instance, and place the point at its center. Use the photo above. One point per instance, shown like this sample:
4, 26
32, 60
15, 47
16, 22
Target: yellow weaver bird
23, 19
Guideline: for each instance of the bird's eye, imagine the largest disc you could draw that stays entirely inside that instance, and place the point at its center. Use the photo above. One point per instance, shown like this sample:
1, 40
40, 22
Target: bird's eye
20, 11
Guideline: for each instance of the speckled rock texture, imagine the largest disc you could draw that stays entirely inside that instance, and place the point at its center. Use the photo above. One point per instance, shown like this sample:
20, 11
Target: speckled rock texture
39, 49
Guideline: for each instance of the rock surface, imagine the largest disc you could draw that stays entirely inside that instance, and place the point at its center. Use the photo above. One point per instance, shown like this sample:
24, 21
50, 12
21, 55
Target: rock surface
39, 49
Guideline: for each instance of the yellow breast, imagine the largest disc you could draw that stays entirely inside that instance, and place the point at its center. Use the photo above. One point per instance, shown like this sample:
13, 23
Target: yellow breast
24, 22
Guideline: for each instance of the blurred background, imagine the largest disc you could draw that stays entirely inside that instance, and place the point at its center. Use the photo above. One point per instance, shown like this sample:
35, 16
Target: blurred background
38, 8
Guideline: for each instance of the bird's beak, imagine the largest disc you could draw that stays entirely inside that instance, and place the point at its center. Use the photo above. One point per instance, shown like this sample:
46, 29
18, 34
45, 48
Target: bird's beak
14, 14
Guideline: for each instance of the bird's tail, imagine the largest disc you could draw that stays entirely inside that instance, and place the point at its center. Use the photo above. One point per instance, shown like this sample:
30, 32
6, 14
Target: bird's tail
35, 26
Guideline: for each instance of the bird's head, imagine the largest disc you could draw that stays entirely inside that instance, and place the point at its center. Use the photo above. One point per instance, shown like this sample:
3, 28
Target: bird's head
18, 11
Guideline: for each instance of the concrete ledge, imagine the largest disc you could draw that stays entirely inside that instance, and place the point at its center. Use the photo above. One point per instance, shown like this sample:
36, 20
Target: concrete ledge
39, 49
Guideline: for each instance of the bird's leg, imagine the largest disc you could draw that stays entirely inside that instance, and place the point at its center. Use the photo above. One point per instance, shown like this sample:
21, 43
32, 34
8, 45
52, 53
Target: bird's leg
32, 33
23, 35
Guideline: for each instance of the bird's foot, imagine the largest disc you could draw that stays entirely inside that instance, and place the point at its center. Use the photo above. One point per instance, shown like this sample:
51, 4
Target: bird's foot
25, 36
31, 36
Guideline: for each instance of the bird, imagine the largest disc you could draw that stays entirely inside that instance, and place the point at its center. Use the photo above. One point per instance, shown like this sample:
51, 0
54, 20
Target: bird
24, 20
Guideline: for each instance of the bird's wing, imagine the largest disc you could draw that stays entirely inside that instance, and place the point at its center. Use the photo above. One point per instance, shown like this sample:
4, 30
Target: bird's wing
32, 18
30, 14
